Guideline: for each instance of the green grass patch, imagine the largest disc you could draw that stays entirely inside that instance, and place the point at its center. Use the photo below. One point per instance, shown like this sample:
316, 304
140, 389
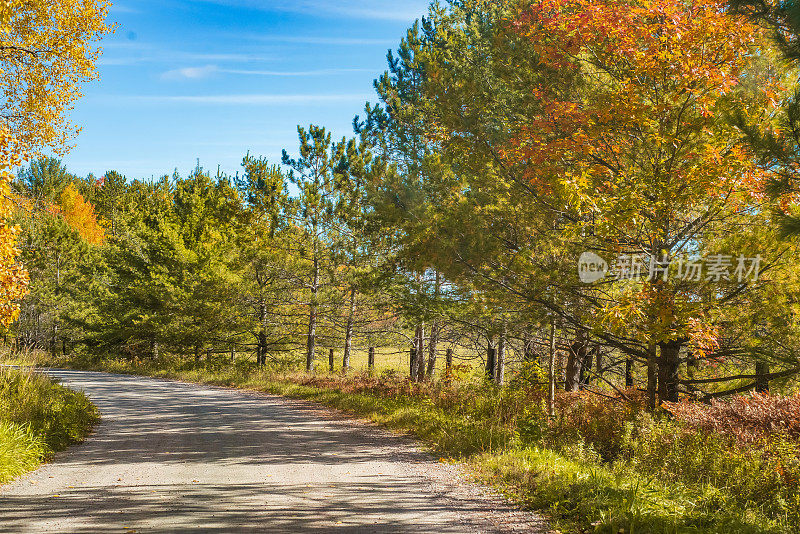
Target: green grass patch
21, 450
586, 497
38, 417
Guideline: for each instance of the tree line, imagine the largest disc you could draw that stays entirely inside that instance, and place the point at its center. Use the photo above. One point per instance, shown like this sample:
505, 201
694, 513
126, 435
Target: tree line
514, 148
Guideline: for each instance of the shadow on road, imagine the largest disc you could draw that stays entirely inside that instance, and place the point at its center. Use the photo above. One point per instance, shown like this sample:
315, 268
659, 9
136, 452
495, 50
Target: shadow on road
172, 457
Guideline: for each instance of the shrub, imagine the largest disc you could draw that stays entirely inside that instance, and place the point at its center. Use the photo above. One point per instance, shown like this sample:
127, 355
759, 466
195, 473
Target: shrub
597, 421
746, 418
763, 473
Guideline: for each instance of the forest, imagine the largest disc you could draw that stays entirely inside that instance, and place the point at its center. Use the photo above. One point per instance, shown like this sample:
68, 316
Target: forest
583, 213
453, 221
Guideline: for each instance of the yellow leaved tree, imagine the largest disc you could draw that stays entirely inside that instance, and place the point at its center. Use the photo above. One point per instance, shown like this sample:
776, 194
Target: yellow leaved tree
48, 50
80, 215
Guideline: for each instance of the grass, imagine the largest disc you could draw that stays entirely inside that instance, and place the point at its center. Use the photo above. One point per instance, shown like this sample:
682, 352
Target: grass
21, 450
37, 418
481, 426
583, 496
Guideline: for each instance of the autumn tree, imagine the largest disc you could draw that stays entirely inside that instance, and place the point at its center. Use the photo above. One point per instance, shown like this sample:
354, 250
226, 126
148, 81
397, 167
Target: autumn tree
552, 135
47, 52
636, 148
61, 235
80, 215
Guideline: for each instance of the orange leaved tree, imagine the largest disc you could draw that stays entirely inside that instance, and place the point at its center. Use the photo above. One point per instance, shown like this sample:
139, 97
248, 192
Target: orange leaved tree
80, 215
636, 150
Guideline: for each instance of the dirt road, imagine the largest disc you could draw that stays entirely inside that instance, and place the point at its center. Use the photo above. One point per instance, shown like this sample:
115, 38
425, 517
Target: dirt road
173, 457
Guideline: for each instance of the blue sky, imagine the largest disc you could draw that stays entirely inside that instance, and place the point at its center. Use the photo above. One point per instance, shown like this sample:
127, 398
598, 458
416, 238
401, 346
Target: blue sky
213, 79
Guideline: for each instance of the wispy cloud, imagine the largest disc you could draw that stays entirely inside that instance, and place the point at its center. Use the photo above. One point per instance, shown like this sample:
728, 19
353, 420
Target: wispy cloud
327, 41
199, 73
190, 73
319, 72
122, 8
122, 53
250, 100
406, 10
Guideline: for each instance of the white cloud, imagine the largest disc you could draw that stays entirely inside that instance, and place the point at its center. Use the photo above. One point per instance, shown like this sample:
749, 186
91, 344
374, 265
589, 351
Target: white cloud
405, 11
302, 73
328, 41
233, 58
120, 8
190, 73
251, 100
139, 53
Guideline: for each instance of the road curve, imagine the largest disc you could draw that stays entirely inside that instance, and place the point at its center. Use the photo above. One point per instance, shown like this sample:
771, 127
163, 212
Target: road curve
175, 457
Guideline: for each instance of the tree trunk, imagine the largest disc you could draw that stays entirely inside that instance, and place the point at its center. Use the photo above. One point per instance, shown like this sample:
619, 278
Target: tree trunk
348, 334
669, 371
371, 359
500, 367
435, 327
586, 368
432, 347
448, 361
551, 372
491, 359
629, 373
312, 319
762, 382
196, 354
262, 349
233, 353
330, 360
53, 346
575, 362
418, 370
652, 376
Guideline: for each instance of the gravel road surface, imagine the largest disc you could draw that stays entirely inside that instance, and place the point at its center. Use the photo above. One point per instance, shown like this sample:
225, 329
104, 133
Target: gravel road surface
175, 457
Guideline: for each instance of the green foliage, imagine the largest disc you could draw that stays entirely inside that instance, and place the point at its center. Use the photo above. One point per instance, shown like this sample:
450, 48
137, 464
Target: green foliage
581, 496
765, 474
43, 180
21, 450
456, 218
38, 417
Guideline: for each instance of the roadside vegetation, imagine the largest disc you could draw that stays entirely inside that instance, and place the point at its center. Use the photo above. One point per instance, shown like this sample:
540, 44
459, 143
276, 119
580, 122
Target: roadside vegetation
602, 465
37, 418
